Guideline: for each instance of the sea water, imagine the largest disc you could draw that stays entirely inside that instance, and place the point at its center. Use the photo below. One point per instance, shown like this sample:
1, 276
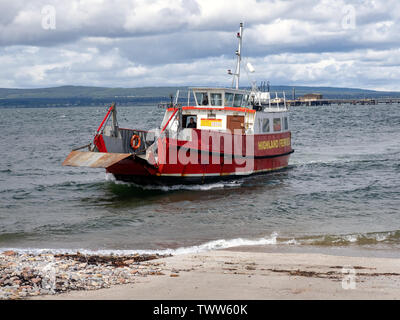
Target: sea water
340, 191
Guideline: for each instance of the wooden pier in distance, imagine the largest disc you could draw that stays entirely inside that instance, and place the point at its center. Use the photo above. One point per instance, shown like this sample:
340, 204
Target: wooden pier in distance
321, 102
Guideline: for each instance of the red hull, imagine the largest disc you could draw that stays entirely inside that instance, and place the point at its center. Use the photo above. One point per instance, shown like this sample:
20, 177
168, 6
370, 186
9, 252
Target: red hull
202, 159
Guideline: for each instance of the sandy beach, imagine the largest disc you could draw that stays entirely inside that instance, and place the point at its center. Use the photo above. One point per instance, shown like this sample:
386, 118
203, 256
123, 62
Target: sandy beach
223, 274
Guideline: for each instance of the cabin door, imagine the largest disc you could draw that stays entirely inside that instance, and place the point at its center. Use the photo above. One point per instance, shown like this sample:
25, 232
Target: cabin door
235, 123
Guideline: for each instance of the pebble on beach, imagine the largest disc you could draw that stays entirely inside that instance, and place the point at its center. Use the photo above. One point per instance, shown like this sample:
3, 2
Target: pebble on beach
25, 274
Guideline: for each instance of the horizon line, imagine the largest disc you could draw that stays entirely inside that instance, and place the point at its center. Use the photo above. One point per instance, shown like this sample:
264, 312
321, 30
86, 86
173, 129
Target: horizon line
180, 86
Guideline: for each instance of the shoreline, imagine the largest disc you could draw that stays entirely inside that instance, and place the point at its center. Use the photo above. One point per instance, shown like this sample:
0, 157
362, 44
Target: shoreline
247, 275
361, 251
234, 274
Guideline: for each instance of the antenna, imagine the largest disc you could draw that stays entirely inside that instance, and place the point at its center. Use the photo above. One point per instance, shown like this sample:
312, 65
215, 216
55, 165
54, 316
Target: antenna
284, 99
236, 75
177, 96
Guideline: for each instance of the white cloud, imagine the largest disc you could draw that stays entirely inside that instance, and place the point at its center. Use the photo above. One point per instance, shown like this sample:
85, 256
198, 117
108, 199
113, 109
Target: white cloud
179, 42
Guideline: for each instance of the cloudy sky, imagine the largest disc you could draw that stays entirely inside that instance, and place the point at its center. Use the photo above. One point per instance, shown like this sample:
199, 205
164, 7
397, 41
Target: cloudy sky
349, 43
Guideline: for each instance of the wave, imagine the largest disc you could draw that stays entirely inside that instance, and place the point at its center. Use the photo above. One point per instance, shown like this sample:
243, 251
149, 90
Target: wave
388, 237
371, 238
211, 245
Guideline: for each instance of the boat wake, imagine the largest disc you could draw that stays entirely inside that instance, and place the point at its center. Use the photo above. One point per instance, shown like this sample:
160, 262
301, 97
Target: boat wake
195, 187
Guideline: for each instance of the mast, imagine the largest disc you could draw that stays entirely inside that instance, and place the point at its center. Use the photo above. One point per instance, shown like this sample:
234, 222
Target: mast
236, 75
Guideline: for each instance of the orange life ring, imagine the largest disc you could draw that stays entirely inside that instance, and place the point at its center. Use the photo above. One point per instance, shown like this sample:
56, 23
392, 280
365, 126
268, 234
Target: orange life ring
135, 142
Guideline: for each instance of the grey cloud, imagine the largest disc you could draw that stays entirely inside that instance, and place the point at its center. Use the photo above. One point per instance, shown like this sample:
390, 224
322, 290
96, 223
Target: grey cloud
192, 41
9, 10
192, 6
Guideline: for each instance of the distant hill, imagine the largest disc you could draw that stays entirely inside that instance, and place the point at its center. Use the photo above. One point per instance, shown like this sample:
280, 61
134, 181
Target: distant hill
83, 96
94, 96
335, 93
84, 92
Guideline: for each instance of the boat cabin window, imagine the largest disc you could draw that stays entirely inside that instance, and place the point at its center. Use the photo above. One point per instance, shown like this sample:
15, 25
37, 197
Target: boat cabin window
285, 123
228, 99
216, 99
220, 98
246, 100
277, 124
187, 121
237, 102
202, 98
265, 125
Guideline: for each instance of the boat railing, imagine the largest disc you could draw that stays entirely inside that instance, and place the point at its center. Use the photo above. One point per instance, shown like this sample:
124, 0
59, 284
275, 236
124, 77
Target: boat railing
274, 108
269, 104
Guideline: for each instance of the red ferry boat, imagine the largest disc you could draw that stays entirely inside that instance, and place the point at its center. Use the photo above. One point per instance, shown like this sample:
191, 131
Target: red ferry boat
224, 134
